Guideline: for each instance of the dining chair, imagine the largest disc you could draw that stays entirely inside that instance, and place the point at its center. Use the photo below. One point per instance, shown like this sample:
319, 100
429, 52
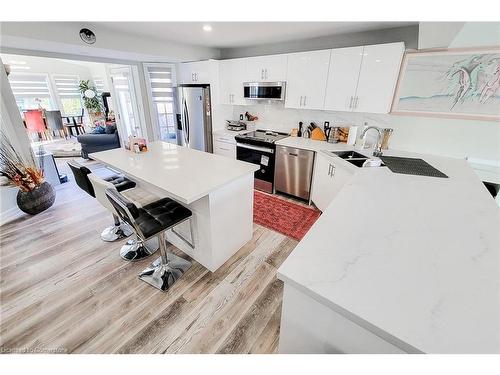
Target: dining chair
78, 123
34, 123
55, 123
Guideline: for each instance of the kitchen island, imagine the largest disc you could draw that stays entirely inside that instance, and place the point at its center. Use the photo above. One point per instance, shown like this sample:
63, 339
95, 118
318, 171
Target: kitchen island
397, 264
218, 190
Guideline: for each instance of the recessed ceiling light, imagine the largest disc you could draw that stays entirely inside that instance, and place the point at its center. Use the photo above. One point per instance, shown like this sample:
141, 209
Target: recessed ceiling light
207, 28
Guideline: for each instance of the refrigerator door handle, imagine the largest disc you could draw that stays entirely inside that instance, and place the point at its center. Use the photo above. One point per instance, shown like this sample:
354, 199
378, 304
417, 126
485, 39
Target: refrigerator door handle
186, 122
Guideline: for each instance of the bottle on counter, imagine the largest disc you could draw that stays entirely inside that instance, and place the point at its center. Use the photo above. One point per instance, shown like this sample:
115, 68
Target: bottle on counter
386, 134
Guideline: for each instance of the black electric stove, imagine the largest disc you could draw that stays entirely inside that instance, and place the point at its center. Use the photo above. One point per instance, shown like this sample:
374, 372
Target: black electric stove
258, 147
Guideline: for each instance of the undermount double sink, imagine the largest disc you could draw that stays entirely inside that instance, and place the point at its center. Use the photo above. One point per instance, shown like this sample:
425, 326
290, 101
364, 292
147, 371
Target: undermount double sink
352, 157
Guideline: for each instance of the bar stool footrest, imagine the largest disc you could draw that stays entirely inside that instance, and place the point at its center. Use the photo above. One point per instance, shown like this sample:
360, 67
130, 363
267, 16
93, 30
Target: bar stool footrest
136, 250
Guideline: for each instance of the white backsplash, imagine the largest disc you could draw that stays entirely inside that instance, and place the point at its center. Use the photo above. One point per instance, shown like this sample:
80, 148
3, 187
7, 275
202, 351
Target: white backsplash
275, 116
445, 137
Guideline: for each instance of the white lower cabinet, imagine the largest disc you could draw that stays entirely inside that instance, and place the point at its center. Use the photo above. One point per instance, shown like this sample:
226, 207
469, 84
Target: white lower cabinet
225, 149
330, 175
311, 327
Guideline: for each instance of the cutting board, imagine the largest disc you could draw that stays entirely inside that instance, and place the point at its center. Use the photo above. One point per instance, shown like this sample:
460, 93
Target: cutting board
318, 135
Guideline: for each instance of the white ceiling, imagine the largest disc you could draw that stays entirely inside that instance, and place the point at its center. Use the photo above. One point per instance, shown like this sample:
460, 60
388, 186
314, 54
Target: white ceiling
242, 34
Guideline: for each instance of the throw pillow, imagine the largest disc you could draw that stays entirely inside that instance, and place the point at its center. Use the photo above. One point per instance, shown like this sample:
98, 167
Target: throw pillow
110, 129
99, 130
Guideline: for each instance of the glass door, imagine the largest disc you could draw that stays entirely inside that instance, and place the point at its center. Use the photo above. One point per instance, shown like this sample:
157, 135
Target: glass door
125, 94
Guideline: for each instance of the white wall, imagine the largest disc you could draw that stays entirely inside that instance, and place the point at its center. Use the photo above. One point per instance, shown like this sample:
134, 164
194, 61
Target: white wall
407, 34
12, 126
474, 34
437, 34
63, 38
99, 70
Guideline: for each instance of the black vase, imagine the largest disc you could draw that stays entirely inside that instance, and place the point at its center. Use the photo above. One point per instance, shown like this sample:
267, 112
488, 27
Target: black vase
38, 200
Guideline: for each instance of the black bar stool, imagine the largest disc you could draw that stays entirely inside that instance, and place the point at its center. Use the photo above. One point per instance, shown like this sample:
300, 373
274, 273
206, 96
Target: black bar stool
134, 249
121, 183
153, 220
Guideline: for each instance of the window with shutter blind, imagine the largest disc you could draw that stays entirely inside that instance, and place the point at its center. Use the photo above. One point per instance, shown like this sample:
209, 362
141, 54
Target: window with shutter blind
99, 84
69, 94
160, 79
31, 91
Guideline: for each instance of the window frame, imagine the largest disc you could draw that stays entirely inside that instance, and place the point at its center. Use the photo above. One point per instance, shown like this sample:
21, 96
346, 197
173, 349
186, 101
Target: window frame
53, 77
152, 104
52, 97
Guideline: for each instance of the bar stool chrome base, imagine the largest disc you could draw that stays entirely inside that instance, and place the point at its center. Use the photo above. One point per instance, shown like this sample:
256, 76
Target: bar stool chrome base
116, 232
137, 249
163, 275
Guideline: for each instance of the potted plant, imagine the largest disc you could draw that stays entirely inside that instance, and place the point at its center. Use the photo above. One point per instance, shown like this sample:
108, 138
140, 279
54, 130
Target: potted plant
35, 194
92, 101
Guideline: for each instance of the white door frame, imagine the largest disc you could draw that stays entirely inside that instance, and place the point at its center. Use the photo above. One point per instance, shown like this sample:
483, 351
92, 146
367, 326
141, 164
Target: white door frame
136, 100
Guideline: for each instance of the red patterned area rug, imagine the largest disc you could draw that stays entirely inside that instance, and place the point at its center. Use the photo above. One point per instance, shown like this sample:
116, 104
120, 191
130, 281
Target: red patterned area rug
288, 218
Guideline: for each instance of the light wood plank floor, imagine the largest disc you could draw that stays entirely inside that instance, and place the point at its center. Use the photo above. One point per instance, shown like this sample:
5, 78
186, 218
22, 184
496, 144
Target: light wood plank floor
62, 289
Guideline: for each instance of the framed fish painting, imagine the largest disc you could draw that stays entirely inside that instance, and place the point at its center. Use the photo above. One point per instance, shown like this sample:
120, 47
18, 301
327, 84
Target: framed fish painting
460, 83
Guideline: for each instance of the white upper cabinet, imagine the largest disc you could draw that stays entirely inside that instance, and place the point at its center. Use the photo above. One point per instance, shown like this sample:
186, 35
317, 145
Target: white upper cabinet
231, 78
266, 68
307, 73
378, 77
198, 72
343, 77
363, 79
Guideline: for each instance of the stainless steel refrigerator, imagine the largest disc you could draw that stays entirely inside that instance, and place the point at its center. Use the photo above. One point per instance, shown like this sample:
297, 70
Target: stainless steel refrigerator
195, 114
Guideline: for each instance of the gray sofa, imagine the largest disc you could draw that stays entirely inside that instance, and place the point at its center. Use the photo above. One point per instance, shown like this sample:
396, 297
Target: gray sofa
99, 142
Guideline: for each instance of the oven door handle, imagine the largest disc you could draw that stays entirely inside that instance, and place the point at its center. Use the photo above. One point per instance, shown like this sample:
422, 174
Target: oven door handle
256, 148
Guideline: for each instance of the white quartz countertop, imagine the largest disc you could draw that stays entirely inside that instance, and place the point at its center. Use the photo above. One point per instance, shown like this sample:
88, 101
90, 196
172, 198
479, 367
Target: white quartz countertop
413, 259
185, 174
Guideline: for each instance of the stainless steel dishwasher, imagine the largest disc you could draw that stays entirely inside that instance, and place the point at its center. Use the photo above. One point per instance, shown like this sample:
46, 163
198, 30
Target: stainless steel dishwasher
293, 171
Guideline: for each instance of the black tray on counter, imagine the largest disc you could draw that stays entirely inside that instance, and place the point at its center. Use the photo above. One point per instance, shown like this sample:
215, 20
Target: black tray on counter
411, 166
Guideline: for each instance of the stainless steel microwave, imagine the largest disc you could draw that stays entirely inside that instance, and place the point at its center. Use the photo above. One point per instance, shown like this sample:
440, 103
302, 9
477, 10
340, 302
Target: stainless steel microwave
264, 90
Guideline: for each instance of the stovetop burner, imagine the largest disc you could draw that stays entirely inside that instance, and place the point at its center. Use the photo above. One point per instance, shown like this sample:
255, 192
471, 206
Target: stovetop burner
260, 135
